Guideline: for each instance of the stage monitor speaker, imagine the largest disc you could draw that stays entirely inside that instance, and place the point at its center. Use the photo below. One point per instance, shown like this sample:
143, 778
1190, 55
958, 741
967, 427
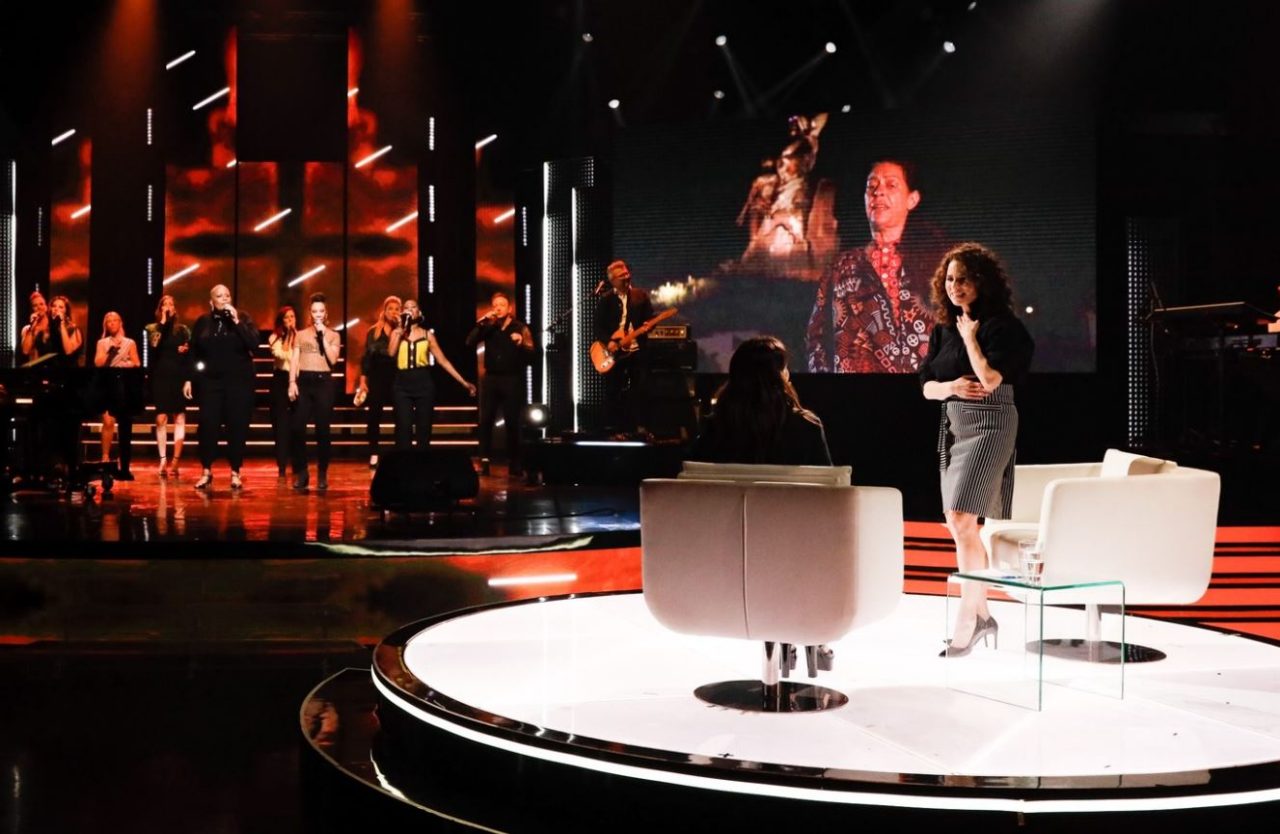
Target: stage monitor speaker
672, 409
292, 98
414, 480
673, 354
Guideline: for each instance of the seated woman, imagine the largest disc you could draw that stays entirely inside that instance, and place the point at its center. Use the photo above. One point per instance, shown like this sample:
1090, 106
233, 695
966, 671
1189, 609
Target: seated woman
758, 417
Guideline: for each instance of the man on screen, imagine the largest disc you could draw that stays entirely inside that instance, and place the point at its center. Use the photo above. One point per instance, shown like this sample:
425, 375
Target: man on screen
872, 311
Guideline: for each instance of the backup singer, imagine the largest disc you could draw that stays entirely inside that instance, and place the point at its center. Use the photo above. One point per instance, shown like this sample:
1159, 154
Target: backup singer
978, 354
115, 395
620, 310
222, 345
315, 352
377, 368
281, 342
508, 349
52, 331
412, 346
35, 334
170, 342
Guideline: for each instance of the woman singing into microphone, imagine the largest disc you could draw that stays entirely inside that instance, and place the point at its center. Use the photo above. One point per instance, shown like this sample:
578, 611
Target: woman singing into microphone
412, 346
315, 352
222, 345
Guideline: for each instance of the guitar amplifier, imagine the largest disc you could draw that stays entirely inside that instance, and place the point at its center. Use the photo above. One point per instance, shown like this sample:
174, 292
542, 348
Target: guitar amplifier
668, 332
673, 354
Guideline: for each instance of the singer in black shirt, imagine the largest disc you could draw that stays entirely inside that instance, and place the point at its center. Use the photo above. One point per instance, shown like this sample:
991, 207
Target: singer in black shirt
508, 349
222, 345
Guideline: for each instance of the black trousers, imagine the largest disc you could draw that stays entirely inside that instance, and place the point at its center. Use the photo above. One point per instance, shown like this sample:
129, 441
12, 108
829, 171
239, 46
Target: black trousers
314, 406
224, 402
505, 391
282, 409
413, 394
625, 397
377, 402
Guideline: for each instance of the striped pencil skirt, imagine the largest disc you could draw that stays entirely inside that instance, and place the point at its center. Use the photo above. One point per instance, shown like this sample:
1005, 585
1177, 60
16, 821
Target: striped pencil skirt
976, 453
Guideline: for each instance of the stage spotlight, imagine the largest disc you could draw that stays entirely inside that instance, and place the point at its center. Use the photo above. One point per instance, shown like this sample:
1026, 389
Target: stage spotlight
948, 47
505, 216
80, 212
61, 137
848, 108
718, 94
831, 48
614, 104
231, 164
534, 416
1030, 310
184, 56
352, 92
486, 140
721, 40
973, 5
587, 37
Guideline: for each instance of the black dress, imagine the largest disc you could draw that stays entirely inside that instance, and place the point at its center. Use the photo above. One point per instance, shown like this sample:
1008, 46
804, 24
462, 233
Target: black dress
168, 369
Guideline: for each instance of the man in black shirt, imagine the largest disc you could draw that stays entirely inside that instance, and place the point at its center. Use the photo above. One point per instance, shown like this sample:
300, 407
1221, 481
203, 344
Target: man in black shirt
508, 348
619, 311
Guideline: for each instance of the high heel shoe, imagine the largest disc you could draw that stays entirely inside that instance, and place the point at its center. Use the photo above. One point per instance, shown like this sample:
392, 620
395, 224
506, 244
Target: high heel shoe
983, 628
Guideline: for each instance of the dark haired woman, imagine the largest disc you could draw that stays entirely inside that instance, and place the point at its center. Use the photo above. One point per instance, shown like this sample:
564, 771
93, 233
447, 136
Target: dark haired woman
413, 391
758, 417
315, 352
978, 353
281, 344
170, 340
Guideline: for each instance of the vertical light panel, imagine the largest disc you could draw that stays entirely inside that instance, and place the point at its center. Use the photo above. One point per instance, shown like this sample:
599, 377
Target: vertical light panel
575, 296
8, 258
546, 268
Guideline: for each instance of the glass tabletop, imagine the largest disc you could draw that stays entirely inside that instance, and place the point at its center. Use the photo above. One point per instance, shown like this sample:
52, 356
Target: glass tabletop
996, 576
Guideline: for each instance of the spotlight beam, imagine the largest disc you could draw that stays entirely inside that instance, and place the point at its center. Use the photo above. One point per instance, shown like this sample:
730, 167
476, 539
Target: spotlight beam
224, 91
371, 157
62, 137
746, 90
275, 218
486, 140
181, 273
184, 56
304, 276
505, 216
80, 212
780, 91
403, 220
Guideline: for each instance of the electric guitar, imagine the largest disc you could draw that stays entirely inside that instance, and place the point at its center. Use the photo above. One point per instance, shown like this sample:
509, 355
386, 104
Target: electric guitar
604, 360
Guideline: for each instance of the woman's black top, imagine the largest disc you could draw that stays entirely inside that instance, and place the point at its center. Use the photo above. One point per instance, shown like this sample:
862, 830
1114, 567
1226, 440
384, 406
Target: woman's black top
223, 347
1004, 341
377, 362
166, 340
800, 442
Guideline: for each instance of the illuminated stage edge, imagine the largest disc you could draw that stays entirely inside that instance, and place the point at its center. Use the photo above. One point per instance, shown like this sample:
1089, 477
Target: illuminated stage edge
593, 684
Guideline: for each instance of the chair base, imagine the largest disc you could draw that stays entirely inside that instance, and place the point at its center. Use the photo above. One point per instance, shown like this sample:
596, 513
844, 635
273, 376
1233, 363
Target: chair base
1097, 651
757, 696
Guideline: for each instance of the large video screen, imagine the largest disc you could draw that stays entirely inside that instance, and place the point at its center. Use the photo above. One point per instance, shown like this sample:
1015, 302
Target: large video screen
824, 229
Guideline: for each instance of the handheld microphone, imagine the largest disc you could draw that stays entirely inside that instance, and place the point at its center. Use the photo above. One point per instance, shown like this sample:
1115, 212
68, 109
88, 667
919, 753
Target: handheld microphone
602, 287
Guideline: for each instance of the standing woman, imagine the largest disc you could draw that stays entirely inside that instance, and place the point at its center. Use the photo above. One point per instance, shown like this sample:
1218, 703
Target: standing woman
170, 341
222, 344
35, 334
315, 352
281, 342
978, 353
412, 389
64, 338
116, 351
377, 368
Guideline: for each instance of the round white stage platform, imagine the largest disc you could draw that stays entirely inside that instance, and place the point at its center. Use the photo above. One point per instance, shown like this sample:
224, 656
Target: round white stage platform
596, 683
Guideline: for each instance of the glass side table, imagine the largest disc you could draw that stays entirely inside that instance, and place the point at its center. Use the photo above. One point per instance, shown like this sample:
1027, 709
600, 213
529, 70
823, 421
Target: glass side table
1015, 668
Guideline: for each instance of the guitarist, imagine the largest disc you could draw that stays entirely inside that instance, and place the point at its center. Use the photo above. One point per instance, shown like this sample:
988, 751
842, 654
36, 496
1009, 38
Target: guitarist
621, 309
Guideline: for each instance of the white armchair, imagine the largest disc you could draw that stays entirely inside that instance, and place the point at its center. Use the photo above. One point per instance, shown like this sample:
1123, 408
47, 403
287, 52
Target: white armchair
782, 563
1147, 522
